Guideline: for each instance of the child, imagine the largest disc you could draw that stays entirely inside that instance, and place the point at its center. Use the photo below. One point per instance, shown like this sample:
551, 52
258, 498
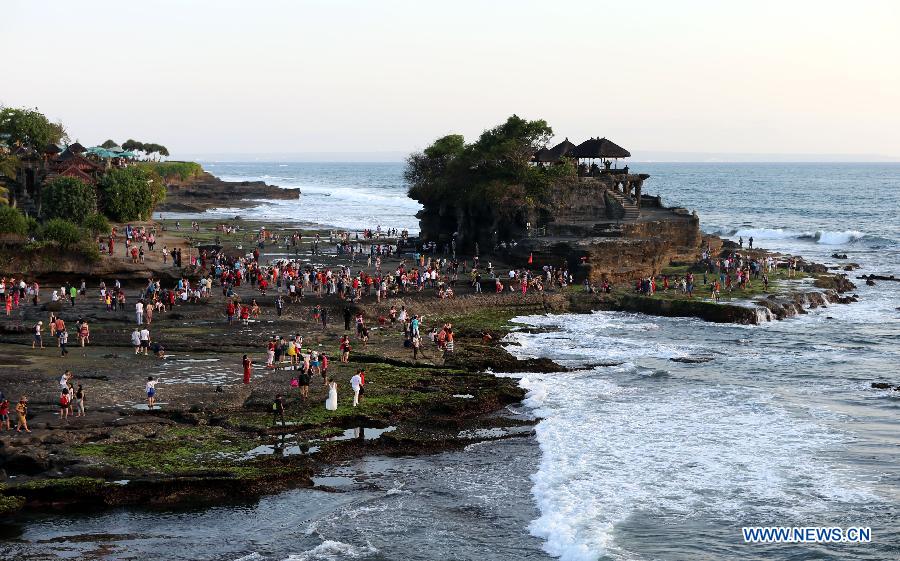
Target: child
151, 391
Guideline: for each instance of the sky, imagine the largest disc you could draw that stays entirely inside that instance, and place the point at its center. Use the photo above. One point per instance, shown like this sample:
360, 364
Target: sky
778, 79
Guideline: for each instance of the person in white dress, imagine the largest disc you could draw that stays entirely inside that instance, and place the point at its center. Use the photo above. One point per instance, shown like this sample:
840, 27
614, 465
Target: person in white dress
356, 383
332, 401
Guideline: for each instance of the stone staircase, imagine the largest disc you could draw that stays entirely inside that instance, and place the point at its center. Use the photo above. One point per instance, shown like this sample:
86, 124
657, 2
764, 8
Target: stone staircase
632, 212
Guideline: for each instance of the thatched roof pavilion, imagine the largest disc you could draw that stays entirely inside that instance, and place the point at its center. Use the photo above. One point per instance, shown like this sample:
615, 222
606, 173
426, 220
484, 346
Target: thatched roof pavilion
77, 148
599, 148
556, 153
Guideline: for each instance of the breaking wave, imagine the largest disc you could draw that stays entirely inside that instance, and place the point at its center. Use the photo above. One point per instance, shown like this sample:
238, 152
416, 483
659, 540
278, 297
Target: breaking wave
824, 237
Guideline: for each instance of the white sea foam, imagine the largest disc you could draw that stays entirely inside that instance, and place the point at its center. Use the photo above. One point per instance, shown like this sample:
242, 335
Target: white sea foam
331, 550
616, 446
825, 237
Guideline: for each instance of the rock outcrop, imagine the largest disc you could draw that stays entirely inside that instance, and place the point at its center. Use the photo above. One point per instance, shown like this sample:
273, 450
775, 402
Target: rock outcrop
207, 191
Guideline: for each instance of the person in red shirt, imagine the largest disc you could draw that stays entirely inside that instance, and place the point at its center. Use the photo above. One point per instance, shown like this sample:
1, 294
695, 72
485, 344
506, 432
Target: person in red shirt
230, 311
248, 366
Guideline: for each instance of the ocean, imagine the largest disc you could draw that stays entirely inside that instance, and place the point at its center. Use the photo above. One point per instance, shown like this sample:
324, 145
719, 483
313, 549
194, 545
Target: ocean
644, 458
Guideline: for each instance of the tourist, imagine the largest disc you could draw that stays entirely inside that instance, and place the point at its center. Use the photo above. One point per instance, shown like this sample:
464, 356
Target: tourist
270, 354
750, 242
303, 379
84, 333
348, 316
278, 410
79, 401
139, 312
150, 387
248, 367
65, 379
64, 404
331, 403
63, 341
356, 384
323, 367
345, 349
22, 414
38, 340
136, 340
416, 344
4, 413
145, 341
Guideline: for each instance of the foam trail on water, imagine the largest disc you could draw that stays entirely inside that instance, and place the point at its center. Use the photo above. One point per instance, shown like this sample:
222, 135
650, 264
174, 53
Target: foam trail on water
618, 445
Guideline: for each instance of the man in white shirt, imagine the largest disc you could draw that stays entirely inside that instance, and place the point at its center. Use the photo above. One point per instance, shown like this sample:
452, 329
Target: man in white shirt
139, 312
145, 340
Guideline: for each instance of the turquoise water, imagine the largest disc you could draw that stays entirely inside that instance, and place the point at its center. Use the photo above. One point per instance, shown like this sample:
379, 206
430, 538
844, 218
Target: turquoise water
649, 459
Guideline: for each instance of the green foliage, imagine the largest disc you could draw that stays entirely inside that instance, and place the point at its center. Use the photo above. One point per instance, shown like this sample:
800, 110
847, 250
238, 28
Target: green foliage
480, 172
34, 227
109, 144
66, 234
170, 171
96, 224
145, 147
12, 221
68, 198
30, 127
129, 193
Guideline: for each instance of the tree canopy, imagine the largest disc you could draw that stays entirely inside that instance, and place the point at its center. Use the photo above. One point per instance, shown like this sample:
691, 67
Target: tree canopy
451, 169
145, 147
485, 190
129, 193
68, 198
29, 127
109, 144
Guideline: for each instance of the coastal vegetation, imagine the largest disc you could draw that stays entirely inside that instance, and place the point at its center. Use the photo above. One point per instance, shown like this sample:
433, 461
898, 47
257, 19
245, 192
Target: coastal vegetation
172, 171
130, 193
30, 127
486, 190
68, 198
12, 221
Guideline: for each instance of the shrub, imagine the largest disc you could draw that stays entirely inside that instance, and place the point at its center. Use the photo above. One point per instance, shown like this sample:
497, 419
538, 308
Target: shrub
34, 227
68, 198
96, 224
128, 194
171, 171
63, 232
12, 221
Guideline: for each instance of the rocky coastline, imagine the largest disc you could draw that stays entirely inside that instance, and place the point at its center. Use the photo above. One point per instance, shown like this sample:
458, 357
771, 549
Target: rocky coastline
213, 441
206, 191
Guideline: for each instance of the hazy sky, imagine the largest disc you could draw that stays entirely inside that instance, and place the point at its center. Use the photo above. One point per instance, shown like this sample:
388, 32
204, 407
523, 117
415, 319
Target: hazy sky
340, 76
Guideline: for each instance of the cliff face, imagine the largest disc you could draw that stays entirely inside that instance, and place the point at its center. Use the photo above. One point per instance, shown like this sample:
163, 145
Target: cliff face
595, 225
571, 206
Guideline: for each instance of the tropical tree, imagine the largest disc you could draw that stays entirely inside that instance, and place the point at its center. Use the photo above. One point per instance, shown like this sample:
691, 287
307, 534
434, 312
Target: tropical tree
129, 193
30, 127
109, 144
68, 198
